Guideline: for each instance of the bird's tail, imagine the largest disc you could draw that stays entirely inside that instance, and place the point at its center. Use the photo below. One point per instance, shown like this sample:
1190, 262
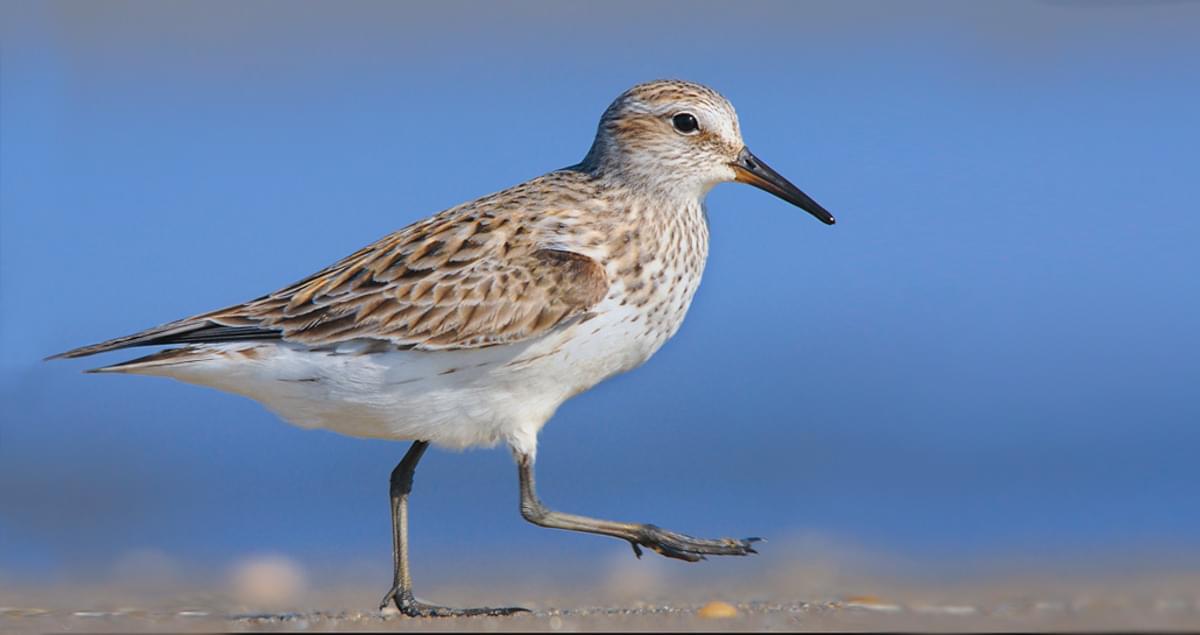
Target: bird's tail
197, 330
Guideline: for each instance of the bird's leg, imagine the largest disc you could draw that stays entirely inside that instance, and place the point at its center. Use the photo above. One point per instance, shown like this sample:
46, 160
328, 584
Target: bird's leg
401, 591
667, 543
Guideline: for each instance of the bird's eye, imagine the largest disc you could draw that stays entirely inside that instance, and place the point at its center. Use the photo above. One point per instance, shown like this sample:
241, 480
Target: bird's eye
685, 122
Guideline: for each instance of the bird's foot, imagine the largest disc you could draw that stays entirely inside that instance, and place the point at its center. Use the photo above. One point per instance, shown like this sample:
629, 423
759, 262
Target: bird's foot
685, 547
408, 605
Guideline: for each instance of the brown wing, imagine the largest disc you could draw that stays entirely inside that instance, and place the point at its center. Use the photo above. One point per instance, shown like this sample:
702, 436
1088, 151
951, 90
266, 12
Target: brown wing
449, 282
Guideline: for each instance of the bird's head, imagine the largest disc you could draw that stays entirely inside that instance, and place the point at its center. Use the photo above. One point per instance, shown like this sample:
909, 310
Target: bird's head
680, 137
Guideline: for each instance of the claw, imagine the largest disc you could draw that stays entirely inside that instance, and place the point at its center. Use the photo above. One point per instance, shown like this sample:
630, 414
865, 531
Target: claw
412, 608
637, 551
684, 547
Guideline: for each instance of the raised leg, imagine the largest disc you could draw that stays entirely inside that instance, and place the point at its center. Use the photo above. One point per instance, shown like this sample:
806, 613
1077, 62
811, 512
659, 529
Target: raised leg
667, 543
401, 591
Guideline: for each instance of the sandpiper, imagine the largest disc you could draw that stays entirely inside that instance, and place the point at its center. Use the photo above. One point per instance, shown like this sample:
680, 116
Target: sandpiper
471, 327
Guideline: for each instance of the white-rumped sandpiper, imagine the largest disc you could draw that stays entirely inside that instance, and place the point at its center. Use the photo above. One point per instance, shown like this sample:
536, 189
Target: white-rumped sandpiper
472, 326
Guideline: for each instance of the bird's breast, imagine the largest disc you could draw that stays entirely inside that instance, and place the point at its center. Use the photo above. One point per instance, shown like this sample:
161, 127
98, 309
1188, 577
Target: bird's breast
655, 269
653, 261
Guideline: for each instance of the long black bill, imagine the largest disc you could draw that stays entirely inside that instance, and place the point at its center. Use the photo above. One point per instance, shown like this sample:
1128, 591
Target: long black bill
750, 169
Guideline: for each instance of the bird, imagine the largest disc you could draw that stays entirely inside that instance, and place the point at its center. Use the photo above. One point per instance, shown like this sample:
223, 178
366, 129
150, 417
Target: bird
471, 327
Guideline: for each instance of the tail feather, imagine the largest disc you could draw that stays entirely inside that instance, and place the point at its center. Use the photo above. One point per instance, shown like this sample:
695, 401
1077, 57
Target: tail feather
149, 363
190, 331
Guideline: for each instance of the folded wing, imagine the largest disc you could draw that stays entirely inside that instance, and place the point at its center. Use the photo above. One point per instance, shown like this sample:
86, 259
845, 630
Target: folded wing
446, 283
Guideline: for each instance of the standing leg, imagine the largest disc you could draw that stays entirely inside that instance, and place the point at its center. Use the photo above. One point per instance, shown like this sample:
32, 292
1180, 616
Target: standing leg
667, 543
401, 591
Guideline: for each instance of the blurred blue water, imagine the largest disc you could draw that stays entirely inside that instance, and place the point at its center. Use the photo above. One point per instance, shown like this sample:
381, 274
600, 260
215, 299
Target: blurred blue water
994, 351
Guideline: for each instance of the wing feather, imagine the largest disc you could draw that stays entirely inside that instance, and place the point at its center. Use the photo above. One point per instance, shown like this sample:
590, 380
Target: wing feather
457, 280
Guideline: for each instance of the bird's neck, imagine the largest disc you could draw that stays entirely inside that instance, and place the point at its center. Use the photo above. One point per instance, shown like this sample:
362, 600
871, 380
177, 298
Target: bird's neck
665, 190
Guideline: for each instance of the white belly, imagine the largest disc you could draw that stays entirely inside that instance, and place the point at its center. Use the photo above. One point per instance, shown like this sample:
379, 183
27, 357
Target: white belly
454, 399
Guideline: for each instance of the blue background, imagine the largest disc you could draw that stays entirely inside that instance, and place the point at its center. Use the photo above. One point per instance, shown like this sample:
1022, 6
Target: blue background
993, 354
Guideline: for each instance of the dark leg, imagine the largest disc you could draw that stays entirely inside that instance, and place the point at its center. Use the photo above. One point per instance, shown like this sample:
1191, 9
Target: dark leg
667, 543
401, 591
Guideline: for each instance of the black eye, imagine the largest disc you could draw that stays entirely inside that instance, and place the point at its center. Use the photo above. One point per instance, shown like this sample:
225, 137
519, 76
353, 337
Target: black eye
685, 122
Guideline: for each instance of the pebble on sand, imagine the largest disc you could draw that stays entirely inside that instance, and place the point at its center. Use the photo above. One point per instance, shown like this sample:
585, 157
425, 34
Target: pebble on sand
717, 610
268, 581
